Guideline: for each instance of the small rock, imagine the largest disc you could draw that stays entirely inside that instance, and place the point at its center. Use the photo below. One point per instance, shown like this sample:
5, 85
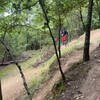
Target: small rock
95, 56
68, 83
82, 97
98, 61
62, 93
77, 98
93, 79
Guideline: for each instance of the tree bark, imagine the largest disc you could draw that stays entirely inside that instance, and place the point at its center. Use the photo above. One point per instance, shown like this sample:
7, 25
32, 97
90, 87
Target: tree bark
20, 70
0, 91
46, 18
3, 58
98, 9
86, 56
59, 35
81, 17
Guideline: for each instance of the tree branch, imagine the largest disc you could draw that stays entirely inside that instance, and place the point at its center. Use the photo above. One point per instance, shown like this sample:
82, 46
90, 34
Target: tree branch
28, 7
12, 26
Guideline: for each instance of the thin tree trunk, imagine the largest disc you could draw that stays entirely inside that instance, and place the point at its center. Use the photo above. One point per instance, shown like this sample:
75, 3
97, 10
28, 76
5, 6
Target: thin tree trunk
4, 58
46, 18
98, 9
86, 56
99, 16
20, 70
81, 17
0, 91
59, 35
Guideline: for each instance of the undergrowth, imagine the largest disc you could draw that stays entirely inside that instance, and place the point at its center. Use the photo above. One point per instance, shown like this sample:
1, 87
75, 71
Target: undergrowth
58, 88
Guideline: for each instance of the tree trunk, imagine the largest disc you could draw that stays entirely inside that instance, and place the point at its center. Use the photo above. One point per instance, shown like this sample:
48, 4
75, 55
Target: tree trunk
59, 35
99, 16
98, 9
46, 18
81, 17
86, 56
0, 91
4, 58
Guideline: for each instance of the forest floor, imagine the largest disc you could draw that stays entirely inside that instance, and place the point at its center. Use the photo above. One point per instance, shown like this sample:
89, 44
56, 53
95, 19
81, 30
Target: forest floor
67, 61
13, 87
84, 83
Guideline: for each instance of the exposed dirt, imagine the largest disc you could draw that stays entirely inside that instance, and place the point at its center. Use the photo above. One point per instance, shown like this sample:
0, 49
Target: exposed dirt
90, 88
13, 87
85, 83
47, 86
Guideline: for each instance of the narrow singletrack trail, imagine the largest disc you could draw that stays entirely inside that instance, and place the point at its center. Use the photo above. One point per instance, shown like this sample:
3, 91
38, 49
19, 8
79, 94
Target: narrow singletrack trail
13, 86
47, 87
74, 57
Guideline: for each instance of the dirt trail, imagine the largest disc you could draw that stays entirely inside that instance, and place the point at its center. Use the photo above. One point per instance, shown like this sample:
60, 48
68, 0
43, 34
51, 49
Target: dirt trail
46, 88
75, 57
84, 81
91, 88
13, 87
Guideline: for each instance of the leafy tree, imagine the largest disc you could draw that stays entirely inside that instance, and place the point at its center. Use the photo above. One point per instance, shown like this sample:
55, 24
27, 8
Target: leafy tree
23, 27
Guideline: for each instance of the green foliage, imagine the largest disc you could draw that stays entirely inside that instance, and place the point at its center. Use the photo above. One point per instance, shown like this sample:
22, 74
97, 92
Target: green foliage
24, 25
96, 15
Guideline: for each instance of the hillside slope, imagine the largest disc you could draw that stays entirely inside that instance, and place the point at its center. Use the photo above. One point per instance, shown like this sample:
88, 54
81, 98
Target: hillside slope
67, 61
13, 87
84, 81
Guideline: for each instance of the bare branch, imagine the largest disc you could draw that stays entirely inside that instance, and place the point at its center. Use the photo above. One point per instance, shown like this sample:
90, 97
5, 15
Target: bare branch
12, 26
28, 7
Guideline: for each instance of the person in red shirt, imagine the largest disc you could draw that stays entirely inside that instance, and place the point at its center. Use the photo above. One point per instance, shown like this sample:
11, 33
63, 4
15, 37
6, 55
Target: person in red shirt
64, 36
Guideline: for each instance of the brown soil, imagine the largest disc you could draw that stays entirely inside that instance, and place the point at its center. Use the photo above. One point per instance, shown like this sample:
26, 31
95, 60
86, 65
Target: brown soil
47, 86
84, 83
67, 62
90, 88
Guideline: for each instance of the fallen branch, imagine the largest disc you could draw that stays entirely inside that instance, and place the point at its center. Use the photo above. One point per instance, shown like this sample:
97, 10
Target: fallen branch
12, 62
